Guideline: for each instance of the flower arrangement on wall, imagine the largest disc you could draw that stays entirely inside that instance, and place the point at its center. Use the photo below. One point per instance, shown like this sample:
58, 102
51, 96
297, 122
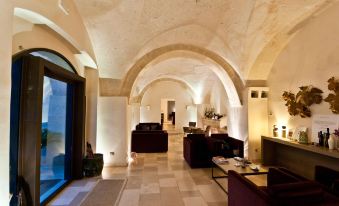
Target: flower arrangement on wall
300, 104
333, 97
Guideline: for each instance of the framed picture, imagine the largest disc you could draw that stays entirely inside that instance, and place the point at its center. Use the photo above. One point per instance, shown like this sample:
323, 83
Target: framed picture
297, 131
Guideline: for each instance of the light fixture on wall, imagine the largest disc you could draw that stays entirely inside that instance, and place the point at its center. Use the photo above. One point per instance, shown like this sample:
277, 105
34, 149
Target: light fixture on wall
148, 107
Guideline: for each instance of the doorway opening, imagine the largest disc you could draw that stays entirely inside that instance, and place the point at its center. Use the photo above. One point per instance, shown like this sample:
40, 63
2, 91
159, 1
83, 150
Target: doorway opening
168, 113
171, 111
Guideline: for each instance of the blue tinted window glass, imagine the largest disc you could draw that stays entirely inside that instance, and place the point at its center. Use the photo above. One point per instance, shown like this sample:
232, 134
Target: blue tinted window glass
53, 58
53, 137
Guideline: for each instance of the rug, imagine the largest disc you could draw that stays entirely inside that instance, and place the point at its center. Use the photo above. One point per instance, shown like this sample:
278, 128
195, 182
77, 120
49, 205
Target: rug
105, 192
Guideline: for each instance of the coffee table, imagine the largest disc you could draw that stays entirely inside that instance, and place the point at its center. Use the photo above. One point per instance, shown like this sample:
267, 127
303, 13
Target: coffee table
230, 165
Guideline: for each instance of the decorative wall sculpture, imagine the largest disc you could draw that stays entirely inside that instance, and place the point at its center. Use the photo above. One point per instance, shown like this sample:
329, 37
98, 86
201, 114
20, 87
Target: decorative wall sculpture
333, 98
300, 104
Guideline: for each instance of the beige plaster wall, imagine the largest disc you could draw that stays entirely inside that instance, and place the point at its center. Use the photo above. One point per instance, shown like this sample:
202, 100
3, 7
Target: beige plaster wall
310, 58
6, 11
168, 90
112, 130
218, 98
92, 92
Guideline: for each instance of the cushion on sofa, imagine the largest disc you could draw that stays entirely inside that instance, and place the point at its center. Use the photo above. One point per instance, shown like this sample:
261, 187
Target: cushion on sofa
154, 127
144, 127
148, 126
297, 193
335, 187
278, 176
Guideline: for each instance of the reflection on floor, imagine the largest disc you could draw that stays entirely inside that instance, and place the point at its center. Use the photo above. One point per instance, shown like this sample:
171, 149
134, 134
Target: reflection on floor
155, 179
45, 185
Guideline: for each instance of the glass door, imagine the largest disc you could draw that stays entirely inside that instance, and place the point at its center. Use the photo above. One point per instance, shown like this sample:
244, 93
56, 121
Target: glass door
47, 127
53, 168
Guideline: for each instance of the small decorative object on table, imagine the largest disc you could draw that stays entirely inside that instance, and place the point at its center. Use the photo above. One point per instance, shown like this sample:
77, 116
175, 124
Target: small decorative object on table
220, 160
303, 138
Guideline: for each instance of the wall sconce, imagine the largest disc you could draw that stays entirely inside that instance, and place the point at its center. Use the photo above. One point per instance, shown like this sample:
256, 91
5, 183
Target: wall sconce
187, 107
148, 107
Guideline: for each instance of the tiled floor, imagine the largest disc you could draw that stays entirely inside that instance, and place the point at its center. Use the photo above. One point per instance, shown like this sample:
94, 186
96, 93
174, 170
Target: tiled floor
155, 179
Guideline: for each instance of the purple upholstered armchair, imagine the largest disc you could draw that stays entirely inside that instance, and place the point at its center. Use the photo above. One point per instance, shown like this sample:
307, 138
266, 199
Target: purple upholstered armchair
284, 188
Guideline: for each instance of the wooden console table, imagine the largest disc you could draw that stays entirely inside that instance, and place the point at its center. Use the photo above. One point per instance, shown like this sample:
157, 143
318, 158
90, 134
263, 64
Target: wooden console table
300, 158
211, 122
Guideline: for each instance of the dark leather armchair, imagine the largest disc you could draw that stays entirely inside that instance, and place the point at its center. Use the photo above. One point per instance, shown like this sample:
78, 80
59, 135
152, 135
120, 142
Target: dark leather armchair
196, 151
199, 150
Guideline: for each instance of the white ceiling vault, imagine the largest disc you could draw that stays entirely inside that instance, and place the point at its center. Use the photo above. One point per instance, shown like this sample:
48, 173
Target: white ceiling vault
123, 31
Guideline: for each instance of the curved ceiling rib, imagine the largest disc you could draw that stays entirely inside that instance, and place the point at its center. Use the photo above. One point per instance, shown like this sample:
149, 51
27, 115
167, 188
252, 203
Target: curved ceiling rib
227, 75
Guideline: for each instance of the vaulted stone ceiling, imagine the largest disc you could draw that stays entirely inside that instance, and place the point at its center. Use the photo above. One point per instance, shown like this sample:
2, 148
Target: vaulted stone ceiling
241, 32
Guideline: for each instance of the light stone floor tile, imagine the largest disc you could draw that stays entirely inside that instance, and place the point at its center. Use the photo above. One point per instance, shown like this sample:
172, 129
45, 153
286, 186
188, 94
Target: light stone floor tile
212, 193
168, 182
170, 196
194, 193
194, 201
150, 200
185, 185
149, 188
217, 203
163, 179
130, 197
66, 196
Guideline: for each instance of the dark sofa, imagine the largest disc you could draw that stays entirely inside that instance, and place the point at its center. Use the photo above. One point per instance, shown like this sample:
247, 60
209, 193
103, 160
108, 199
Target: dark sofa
199, 150
284, 188
149, 138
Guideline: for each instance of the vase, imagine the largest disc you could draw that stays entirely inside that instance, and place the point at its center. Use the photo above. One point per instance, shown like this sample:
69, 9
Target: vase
331, 141
336, 141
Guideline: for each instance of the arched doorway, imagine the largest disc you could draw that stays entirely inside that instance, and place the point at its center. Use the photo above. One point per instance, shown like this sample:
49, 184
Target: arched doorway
47, 125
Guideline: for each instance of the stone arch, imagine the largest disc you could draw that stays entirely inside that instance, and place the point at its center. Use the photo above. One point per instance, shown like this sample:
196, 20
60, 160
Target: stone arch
228, 76
36, 18
183, 83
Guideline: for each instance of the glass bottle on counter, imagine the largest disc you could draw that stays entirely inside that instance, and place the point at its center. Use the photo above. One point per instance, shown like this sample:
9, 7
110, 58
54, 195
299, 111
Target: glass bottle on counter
327, 137
321, 138
283, 132
275, 131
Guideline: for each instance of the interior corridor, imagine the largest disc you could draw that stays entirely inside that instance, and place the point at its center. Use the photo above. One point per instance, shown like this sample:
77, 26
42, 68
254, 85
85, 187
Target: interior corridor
154, 179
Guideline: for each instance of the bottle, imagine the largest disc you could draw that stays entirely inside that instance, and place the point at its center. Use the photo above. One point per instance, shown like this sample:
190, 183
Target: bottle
331, 142
321, 138
275, 131
283, 132
327, 136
